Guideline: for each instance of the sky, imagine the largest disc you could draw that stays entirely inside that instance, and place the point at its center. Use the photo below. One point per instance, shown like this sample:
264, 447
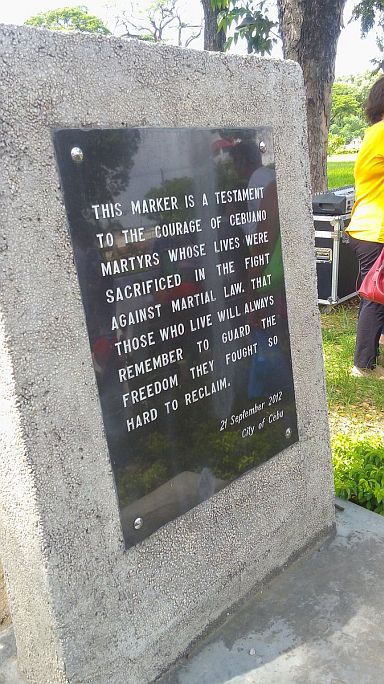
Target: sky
353, 55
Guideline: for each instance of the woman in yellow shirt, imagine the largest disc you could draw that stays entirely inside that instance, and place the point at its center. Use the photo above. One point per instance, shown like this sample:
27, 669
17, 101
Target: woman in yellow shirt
366, 230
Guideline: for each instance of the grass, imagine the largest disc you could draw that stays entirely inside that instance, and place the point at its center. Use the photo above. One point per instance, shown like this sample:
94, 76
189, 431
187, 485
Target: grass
340, 173
356, 410
353, 402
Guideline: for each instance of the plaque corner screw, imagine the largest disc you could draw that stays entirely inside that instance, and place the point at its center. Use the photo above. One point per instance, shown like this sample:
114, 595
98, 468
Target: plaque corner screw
288, 433
77, 155
262, 146
138, 523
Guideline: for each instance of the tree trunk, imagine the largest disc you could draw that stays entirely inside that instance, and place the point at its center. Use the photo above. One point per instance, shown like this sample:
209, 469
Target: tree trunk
213, 40
310, 30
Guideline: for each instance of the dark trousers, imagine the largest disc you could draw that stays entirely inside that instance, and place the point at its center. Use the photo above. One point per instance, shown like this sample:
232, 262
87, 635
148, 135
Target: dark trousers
371, 315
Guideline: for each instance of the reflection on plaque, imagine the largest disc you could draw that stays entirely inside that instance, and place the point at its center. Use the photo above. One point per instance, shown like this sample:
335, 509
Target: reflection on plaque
177, 246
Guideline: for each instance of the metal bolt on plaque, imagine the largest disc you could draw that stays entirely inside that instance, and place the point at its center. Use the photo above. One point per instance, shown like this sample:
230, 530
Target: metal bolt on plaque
138, 523
77, 155
288, 433
262, 146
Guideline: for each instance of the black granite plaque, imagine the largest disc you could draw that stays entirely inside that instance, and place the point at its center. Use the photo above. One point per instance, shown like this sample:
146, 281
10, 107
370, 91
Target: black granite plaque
177, 246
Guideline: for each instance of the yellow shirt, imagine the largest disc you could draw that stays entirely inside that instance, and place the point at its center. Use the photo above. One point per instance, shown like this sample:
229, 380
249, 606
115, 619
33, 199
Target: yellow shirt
367, 220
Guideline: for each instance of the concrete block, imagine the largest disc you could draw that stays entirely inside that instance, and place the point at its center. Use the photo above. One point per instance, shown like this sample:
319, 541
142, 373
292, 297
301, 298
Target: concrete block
85, 610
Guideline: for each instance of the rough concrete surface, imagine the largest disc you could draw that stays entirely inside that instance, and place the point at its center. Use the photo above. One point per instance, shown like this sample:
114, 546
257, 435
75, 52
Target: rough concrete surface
84, 609
5, 617
319, 622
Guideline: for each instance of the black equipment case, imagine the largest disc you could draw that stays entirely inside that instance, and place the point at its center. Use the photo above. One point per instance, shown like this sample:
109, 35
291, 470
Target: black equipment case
336, 264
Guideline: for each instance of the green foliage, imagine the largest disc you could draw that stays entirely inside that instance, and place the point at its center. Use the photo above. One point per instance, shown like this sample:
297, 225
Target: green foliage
356, 409
335, 143
369, 12
344, 101
340, 173
251, 23
69, 19
173, 187
352, 127
359, 470
226, 176
361, 84
347, 120
132, 485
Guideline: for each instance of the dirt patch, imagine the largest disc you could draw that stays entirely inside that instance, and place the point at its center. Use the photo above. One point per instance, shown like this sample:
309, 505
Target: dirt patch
5, 617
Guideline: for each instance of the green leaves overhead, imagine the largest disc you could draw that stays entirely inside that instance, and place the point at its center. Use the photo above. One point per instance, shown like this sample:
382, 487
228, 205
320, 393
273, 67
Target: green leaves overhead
251, 23
369, 12
69, 19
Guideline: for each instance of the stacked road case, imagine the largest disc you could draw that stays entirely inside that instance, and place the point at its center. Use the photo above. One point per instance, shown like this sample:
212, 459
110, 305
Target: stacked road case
336, 264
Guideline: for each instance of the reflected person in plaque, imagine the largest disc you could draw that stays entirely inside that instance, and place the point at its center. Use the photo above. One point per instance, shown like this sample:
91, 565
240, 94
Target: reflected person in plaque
269, 369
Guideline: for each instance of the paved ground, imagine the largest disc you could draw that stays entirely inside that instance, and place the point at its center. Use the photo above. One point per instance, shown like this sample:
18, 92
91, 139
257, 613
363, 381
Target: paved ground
319, 622
8, 666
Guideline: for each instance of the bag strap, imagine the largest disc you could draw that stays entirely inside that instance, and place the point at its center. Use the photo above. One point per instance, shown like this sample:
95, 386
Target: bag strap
377, 278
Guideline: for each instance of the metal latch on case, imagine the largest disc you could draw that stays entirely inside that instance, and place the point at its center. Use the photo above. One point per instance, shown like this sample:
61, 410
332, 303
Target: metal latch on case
323, 255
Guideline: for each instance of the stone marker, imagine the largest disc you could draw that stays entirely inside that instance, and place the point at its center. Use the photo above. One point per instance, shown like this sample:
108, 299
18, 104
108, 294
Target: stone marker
153, 352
